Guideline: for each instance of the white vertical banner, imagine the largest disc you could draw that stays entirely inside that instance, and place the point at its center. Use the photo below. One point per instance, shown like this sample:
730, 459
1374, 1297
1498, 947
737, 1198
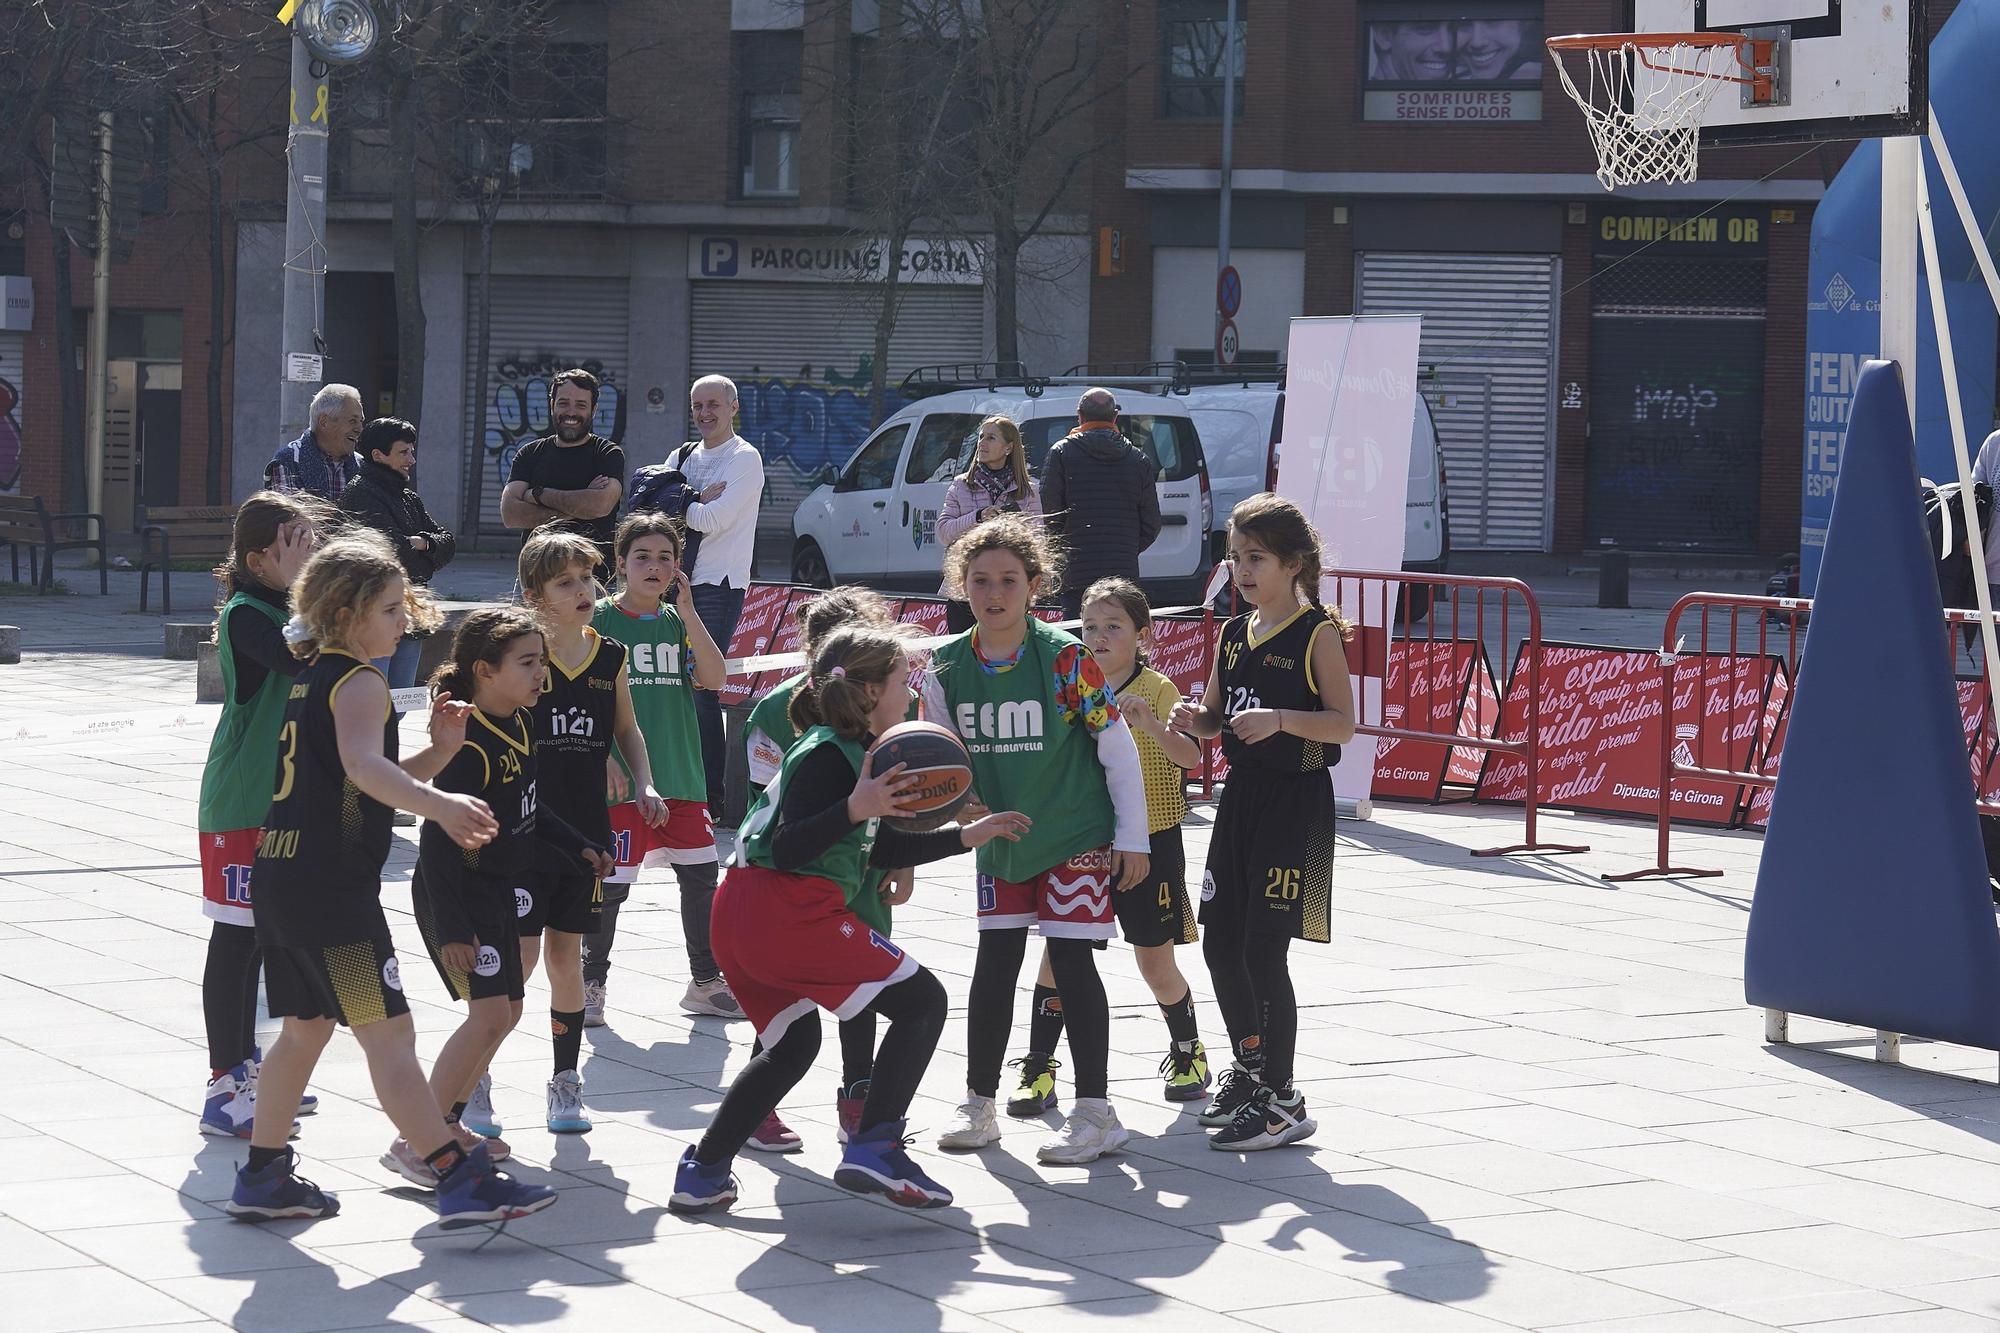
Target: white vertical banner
1350, 403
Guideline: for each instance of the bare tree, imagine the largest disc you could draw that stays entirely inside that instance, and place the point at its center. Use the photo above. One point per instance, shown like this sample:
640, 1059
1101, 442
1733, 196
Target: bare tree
1037, 73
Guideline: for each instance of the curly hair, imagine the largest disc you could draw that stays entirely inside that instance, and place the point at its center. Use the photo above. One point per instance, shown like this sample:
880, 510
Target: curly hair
1009, 532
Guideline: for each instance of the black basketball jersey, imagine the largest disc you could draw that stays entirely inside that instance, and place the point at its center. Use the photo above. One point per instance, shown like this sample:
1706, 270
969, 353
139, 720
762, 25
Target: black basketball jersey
1273, 671
318, 873
496, 764
574, 723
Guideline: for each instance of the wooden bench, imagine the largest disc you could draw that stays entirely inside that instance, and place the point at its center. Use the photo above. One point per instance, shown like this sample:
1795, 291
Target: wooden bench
26, 522
181, 532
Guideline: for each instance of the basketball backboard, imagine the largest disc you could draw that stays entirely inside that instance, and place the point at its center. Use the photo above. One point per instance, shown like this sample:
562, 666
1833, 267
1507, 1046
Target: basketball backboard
1852, 68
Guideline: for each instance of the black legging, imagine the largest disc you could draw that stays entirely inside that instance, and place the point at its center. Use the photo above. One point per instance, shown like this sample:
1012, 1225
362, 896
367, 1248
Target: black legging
915, 1008
1253, 989
857, 1049
697, 884
229, 994
996, 975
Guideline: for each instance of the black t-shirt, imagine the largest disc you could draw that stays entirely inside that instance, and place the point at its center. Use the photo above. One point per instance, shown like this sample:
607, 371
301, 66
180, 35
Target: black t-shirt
318, 873
572, 467
1273, 672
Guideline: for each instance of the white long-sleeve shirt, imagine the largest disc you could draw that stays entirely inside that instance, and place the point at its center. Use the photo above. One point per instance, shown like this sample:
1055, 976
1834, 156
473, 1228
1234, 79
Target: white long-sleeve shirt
729, 523
1986, 468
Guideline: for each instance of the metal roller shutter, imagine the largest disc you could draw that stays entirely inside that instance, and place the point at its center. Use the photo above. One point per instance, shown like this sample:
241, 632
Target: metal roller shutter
541, 325
1676, 404
1489, 333
799, 356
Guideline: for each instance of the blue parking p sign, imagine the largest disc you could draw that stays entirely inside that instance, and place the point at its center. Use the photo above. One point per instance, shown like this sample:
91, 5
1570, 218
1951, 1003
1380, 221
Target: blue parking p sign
718, 257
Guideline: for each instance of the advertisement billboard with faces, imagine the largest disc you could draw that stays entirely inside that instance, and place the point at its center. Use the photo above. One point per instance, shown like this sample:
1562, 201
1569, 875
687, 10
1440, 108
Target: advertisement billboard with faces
1465, 63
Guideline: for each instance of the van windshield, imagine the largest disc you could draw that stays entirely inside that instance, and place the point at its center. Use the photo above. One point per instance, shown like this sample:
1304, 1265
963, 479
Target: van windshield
1171, 442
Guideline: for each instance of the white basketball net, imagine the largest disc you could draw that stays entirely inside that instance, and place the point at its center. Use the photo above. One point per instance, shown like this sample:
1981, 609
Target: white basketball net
1643, 106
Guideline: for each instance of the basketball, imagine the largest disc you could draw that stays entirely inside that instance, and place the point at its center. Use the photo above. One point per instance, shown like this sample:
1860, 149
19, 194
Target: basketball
933, 753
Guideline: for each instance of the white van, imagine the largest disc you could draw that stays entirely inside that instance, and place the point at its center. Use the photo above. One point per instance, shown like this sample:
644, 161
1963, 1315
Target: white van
874, 520
1241, 423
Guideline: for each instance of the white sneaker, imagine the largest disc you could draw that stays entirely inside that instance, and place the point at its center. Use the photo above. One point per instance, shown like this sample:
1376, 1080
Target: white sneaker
478, 1116
1091, 1131
975, 1126
593, 1004
566, 1104
711, 997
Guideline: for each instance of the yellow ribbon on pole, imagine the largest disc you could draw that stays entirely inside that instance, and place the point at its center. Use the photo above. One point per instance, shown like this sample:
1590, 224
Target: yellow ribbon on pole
291, 8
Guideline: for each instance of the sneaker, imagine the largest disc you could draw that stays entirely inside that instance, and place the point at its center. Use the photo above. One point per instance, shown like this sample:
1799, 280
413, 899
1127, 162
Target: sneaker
698, 1188
566, 1104
478, 1116
1269, 1120
712, 998
847, 1104
307, 1102
407, 1163
1037, 1092
496, 1149
774, 1136
593, 1004
1238, 1086
875, 1163
1186, 1072
974, 1126
476, 1191
229, 1107
1091, 1131
277, 1192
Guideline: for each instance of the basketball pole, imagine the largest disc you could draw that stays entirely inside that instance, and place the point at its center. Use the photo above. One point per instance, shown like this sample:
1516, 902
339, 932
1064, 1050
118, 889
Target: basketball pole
1902, 170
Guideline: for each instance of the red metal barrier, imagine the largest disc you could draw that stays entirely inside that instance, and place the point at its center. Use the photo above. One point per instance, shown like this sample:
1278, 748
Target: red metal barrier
1470, 608
1789, 613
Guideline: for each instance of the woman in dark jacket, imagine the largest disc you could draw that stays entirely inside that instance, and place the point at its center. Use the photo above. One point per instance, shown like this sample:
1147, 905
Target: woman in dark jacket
383, 498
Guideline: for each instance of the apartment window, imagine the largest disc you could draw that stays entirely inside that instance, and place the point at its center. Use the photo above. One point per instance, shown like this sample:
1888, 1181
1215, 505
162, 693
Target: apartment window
767, 81
1193, 69
536, 120
359, 159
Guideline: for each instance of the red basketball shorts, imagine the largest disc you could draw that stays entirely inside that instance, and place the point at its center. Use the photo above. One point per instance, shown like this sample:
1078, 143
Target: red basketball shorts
686, 838
788, 943
1069, 900
226, 859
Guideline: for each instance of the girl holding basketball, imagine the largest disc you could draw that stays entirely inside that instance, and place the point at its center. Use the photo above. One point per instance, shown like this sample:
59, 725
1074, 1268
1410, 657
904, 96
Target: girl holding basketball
767, 735
1042, 728
1154, 917
789, 941
670, 656
1280, 698
273, 536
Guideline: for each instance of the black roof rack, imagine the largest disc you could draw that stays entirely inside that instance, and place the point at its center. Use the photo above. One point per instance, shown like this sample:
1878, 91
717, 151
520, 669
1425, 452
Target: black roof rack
1269, 373
952, 376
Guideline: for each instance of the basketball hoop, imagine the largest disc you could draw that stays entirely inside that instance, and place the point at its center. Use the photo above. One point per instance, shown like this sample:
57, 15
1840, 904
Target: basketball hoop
1643, 94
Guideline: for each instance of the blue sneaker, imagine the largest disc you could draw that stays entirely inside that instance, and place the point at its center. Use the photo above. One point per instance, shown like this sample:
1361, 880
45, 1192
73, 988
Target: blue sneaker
307, 1102
476, 1191
479, 1117
698, 1188
229, 1108
275, 1192
874, 1163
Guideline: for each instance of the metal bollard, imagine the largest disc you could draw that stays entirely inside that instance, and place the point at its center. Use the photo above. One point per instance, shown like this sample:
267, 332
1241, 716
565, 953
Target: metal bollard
1614, 579
10, 644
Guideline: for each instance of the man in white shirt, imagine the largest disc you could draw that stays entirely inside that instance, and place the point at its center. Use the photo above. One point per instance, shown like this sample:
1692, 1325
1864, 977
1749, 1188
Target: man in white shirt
729, 474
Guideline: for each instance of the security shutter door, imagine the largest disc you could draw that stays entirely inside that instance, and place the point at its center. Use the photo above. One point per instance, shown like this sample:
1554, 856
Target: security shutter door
1676, 405
800, 357
541, 325
1488, 349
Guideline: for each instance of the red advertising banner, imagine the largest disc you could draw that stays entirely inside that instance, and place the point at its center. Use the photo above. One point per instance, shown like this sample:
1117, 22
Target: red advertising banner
1600, 730
764, 605
1182, 650
1777, 716
1480, 717
1428, 685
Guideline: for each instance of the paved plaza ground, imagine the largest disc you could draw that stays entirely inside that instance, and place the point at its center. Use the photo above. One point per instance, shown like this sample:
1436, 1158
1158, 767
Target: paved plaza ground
1542, 1103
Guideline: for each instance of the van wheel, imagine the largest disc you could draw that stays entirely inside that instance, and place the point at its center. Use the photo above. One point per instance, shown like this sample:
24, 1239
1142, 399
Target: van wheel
1415, 599
809, 566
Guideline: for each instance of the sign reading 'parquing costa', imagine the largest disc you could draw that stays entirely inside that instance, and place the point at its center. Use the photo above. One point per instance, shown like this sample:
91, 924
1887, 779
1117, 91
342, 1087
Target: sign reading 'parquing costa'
751, 257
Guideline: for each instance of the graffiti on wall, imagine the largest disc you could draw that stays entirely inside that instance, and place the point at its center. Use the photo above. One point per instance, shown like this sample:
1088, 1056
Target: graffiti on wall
802, 424
518, 407
10, 439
